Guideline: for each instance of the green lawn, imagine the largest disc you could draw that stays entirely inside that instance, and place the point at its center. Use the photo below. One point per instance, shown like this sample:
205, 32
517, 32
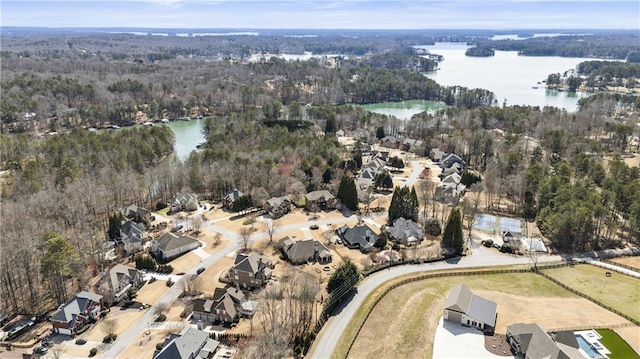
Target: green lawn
618, 291
618, 347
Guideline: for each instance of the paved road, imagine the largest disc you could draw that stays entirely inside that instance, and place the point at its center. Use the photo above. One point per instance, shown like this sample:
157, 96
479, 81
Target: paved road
335, 327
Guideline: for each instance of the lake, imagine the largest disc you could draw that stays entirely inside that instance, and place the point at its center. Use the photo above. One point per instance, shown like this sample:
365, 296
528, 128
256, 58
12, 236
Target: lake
406, 109
188, 135
509, 76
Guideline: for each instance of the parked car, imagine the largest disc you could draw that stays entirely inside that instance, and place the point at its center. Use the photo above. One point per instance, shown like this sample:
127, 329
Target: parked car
200, 270
41, 350
47, 342
81, 341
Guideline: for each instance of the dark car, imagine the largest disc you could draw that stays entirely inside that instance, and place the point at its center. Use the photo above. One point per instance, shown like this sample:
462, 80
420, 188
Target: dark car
200, 270
81, 341
40, 350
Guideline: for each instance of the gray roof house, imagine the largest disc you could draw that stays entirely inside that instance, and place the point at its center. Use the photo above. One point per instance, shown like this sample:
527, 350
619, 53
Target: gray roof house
529, 340
319, 200
170, 245
361, 237
184, 201
230, 197
133, 235
405, 231
278, 206
305, 251
250, 271
114, 284
450, 159
134, 210
450, 189
189, 344
464, 307
76, 313
436, 155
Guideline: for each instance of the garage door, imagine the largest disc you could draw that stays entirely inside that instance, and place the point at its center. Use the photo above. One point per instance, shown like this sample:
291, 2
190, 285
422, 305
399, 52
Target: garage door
64, 331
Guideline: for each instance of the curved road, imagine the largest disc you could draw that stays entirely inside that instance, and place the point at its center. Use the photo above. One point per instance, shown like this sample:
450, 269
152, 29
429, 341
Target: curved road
334, 328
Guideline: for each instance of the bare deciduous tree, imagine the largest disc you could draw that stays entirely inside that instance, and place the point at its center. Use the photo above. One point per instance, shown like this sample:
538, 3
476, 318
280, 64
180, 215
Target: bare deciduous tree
245, 235
196, 222
109, 326
271, 227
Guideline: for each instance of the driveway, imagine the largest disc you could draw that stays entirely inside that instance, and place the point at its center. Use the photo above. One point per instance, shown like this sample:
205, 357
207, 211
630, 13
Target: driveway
455, 341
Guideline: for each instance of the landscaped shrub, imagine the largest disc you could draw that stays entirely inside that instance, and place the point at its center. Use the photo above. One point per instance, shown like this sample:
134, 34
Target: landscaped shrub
159, 346
93, 352
145, 262
160, 205
161, 318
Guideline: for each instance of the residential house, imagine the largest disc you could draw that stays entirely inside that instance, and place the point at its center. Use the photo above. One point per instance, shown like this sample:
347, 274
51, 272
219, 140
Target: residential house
450, 159
305, 251
170, 245
360, 236
191, 343
133, 235
81, 310
405, 231
278, 206
134, 211
530, 341
450, 189
436, 155
382, 155
410, 144
389, 141
184, 201
114, 284
340, 133
376, 164
250, 271
454, 168
320, 200
464, 307
224, 306
229, 198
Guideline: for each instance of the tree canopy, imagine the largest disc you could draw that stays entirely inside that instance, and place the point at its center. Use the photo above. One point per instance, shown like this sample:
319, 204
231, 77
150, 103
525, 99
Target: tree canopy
347, 193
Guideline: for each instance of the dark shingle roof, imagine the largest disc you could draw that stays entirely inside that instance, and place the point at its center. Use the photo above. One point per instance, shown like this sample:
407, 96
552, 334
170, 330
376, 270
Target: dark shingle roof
461, 299
170, 241
360, 235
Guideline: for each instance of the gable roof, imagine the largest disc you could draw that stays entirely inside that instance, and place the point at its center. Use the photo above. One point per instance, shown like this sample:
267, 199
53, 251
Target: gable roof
404, 228
187, 345
252, 263
361, 235
277, 201
68, 312
537, 344
316, 195
303, 250
120, 272
233, 195
461, 299
170, 241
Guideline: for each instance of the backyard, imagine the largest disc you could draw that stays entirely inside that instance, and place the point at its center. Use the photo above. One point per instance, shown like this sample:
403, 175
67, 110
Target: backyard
403, 323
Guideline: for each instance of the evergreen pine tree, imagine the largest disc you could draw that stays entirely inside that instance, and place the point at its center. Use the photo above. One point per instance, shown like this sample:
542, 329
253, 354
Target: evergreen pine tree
347, 193
413, 205
452, 236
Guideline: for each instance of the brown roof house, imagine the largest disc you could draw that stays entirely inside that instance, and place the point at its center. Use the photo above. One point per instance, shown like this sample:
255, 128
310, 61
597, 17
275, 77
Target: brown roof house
250, 271
320, 200
278, 206
306, 251
224, 306
170, 245
464, 307
114, 284
81, 310
530, 341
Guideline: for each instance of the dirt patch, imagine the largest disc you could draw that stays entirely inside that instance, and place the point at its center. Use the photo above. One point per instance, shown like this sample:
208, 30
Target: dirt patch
213, 242
552, 313
631, 335
144, 345
497, 344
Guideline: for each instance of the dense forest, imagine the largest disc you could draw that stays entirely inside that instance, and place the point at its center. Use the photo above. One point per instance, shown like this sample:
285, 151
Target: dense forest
270, 128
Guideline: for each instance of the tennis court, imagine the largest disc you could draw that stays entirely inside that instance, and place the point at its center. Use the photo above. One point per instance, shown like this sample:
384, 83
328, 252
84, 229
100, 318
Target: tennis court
510, 224
485, 222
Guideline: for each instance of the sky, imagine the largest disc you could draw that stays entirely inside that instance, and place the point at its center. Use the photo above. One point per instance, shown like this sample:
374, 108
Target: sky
325, 14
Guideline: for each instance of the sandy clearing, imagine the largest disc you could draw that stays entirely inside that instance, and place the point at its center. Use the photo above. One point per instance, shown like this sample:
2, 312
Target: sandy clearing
631, 335
123, 319
551, 313
209, 279
209, 238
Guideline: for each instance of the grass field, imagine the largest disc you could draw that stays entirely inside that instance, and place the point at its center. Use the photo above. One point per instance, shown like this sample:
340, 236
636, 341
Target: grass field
403, 323
618, 347
618, 291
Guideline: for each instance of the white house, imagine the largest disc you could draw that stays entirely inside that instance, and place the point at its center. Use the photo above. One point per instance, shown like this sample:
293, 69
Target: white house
464, 307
